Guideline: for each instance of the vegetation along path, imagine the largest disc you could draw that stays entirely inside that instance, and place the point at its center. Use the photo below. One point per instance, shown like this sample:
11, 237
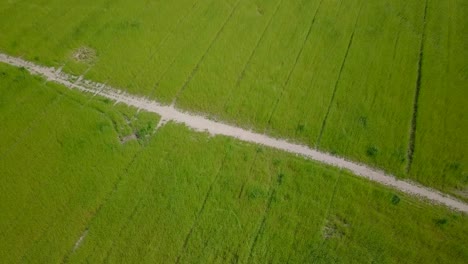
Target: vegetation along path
200, 123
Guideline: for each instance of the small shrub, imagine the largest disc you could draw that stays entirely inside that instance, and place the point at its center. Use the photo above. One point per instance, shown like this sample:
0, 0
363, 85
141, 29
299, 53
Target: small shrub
300, 127
395, 199
372, 151
280, 178
363, 121
276, 162
454, 166
441, 222
146, 130
255, 193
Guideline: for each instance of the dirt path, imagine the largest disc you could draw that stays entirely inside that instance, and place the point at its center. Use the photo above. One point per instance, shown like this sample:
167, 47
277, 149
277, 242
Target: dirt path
200, 123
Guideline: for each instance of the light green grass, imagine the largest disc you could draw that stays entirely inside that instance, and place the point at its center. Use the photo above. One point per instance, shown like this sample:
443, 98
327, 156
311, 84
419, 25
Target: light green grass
176, 194
60, 157
336, 75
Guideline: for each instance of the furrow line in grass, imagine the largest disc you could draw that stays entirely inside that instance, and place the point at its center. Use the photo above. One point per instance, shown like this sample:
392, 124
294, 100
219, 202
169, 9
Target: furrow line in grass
105, 200
121, 229
48, 226
59, 97
94, 108
127, 220
296, 60
335, 88
412, 137
29, 128
46, 28
163, 74
203, 124
249, 60
52, 222
248, 175
129, 217
45, 230
395, 45
19, 102
119, 179
197, 66
327, 215
395, 49
293, 243
202, 208
168, 34
261, 228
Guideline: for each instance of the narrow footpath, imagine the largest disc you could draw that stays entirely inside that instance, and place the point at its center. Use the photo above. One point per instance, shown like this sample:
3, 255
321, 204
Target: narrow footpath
200, 123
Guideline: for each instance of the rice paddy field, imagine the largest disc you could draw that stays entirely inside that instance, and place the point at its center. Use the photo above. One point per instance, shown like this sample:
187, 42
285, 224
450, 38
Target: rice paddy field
379, 82
87, 181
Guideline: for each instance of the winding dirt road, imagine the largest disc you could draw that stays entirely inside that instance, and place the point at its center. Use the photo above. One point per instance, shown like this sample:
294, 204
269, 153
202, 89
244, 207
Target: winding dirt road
200, 123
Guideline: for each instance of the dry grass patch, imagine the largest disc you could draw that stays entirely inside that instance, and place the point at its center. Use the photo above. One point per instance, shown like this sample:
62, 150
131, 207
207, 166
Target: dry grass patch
84, 54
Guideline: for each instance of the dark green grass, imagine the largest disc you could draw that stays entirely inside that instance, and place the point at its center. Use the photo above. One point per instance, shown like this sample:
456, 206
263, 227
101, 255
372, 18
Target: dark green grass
176, 195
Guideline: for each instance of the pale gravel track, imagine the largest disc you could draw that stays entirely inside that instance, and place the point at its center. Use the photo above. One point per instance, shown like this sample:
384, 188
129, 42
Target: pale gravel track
201, 123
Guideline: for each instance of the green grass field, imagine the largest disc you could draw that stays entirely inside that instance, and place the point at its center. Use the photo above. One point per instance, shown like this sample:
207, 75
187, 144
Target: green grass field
337, 75
74, 190
442, 121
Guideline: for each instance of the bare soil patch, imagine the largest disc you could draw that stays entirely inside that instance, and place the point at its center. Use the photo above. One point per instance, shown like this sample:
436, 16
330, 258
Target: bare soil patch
84, 54
128, 138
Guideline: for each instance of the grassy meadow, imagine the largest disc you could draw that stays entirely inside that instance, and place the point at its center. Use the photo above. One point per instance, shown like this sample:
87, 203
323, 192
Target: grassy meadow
337, 75
87, 181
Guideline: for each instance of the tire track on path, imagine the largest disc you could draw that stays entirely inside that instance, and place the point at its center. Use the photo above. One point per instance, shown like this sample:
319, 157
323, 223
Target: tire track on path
200, 123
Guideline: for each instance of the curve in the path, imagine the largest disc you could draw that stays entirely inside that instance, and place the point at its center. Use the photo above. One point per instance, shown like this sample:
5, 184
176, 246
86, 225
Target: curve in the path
200, 123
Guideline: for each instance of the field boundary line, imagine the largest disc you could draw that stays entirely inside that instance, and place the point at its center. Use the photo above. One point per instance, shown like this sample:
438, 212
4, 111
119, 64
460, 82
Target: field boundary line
203, 124
202, 59
325, 220
293, 68
157, 49
417, 91
335, 88
247, 64
99, 207
202, 208
248, 176
274, 184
